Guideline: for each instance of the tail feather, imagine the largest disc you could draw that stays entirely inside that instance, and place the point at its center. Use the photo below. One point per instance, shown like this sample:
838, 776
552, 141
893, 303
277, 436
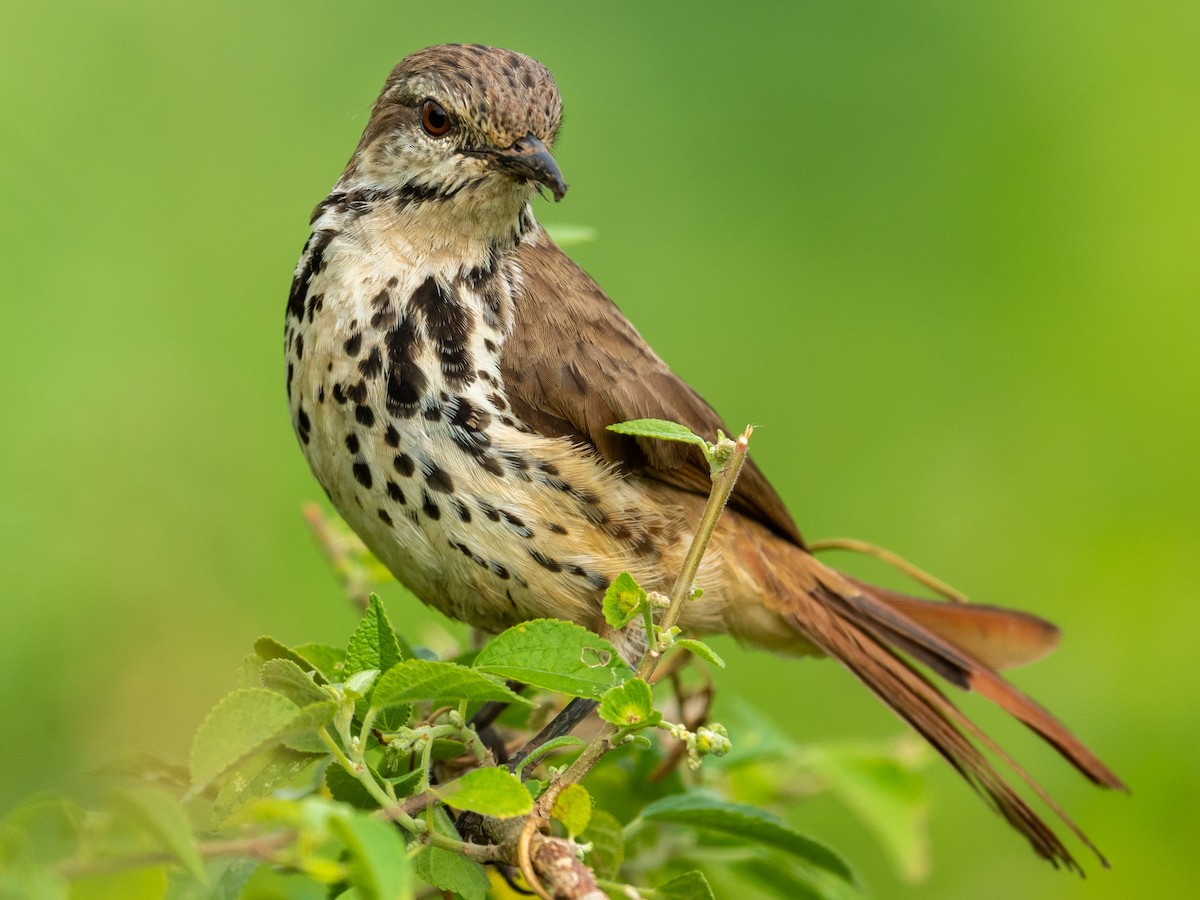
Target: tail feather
867, 630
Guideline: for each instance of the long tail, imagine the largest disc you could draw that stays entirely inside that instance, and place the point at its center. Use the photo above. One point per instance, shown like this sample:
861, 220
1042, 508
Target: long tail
875, 633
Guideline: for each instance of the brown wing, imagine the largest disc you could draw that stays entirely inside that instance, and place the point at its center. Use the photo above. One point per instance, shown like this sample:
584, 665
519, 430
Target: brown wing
574, 365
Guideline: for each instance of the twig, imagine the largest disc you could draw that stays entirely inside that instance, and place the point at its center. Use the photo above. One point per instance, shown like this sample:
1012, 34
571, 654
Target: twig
894, 560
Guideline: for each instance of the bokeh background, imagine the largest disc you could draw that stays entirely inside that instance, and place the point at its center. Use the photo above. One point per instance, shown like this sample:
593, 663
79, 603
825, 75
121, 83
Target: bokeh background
944, 254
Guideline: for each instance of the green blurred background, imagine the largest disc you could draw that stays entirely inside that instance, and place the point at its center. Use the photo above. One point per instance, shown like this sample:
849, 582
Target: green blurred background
944, 254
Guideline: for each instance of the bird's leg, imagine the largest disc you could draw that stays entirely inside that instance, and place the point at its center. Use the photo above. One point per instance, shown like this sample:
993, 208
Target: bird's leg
572, 714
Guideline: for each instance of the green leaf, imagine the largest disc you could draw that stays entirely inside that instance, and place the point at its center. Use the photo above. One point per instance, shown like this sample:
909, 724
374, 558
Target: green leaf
659, 430
49, 826
419, 679
345, 788
245, 722
330, 661
163, 816
887, 795
607, 838
285, 677
573, 807
623, 601
491, 792
746, 823
448, 871
627, 704
689, 886
268, 648
379, 865
702, 650
259, 775
374, 644
557, 656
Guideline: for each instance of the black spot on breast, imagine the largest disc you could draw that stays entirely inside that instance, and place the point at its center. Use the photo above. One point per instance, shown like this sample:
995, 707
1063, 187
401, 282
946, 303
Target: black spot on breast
490, 511
353, 344
303, 425
362, 474
428, 507
352, 442
406, 383
384, 517
448, 328
466, 415
372, 365
383, 317
365, 415
497, 401
544, 561
500, 570
393, 491
490, 345
338, 394
517, 524
404, 465
321, 394
432, 412
556, 528
464, 514
315, 302
357, 392
299, 346
439, 480
391, 437
290, 374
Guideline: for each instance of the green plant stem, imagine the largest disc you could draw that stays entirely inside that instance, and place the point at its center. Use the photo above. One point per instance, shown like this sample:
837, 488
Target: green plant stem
723, 482
362, 773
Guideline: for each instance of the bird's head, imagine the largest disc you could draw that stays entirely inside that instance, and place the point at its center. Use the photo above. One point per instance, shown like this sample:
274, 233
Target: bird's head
465, 121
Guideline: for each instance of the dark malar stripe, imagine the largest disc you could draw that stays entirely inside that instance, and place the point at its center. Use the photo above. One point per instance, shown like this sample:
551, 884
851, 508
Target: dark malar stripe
313, 260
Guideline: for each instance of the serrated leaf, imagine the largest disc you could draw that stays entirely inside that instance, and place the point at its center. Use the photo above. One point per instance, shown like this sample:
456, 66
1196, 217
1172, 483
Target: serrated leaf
345, 788
623, 601
702, 650
268, 648
607, 838
285, 677
374, 644
418, 679
259, 775
379, 866
659, 430
746, 823
490, 792
627, 704
448, 871
688, 886
557, 656
573, 807
245, 722
330, 661
163, 816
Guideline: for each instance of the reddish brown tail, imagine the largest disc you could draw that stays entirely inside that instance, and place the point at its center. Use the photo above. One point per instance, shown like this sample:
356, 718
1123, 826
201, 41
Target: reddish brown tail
868, 629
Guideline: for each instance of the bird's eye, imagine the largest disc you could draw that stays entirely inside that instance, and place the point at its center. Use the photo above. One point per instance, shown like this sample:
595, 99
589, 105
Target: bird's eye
434, 119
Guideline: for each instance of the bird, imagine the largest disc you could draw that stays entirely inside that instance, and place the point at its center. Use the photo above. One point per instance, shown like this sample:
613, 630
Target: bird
451, 376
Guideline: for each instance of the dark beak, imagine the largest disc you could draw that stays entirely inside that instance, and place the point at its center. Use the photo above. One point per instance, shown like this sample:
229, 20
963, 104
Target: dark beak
529, 158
